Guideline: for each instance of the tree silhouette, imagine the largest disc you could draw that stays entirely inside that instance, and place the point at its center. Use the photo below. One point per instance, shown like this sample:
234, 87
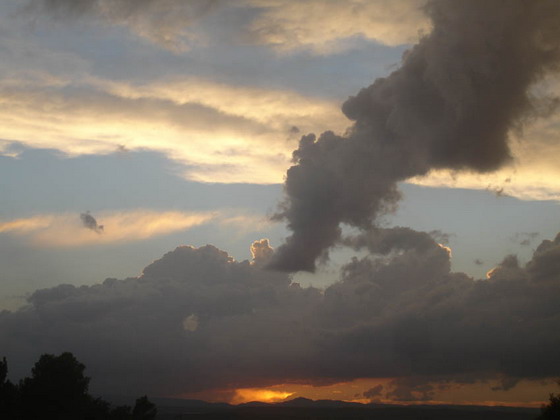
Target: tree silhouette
552, 409
8, 393
58, 390
122, 412
144, 409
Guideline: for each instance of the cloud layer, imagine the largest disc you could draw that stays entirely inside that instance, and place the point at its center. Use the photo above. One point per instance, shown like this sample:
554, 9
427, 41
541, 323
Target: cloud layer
196, 320
176, 24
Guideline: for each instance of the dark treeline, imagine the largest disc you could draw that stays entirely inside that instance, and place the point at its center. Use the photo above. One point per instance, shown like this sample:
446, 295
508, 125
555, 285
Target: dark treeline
58, 390
551, 411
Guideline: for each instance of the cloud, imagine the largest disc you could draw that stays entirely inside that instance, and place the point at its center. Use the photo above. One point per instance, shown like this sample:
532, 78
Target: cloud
451, 105
215, 130
89, 222
55, 97
23, 226
374, 392
410, 389
67, 230
162, 22
335, 26
524, 238
178, 25
197, 320
261, 251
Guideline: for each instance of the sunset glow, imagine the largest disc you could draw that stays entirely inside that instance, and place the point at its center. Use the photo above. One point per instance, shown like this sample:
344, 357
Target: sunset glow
263, 200
245, 395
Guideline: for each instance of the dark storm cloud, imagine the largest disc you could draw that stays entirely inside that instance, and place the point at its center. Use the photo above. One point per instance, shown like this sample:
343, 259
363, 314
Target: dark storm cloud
89, 222
196, 319
451, 104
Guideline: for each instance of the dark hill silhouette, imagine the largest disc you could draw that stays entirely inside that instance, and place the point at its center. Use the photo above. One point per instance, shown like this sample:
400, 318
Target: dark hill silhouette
303, 408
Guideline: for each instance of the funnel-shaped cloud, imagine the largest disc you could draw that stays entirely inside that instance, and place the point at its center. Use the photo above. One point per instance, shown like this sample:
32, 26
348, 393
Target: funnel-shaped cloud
452, 104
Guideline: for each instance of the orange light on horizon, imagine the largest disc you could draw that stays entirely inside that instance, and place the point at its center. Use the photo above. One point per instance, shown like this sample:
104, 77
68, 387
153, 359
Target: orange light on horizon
244, 395
526, 393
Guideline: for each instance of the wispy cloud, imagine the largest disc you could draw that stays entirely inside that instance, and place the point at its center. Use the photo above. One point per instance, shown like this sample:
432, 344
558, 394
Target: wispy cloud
217, 130
286, 25
26, 225
75, 229
178, 25
68, 230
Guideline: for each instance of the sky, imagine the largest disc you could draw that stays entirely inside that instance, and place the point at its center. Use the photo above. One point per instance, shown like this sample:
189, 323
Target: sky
265, 199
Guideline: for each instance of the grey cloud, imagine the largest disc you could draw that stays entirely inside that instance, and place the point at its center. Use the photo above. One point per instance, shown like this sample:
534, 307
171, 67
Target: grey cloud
506, 384
374, 392
451, 104
197, 319
525, 238
89, 222
410, 389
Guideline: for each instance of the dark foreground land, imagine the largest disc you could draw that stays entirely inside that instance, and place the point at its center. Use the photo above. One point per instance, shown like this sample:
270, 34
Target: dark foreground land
322, 410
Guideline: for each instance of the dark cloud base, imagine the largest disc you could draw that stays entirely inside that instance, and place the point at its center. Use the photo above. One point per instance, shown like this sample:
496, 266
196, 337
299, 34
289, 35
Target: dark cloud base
196, 319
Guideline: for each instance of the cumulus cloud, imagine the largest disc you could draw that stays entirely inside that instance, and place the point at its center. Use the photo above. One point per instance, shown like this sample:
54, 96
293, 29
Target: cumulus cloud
451, 105
261, 251
196, 319
65, 230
